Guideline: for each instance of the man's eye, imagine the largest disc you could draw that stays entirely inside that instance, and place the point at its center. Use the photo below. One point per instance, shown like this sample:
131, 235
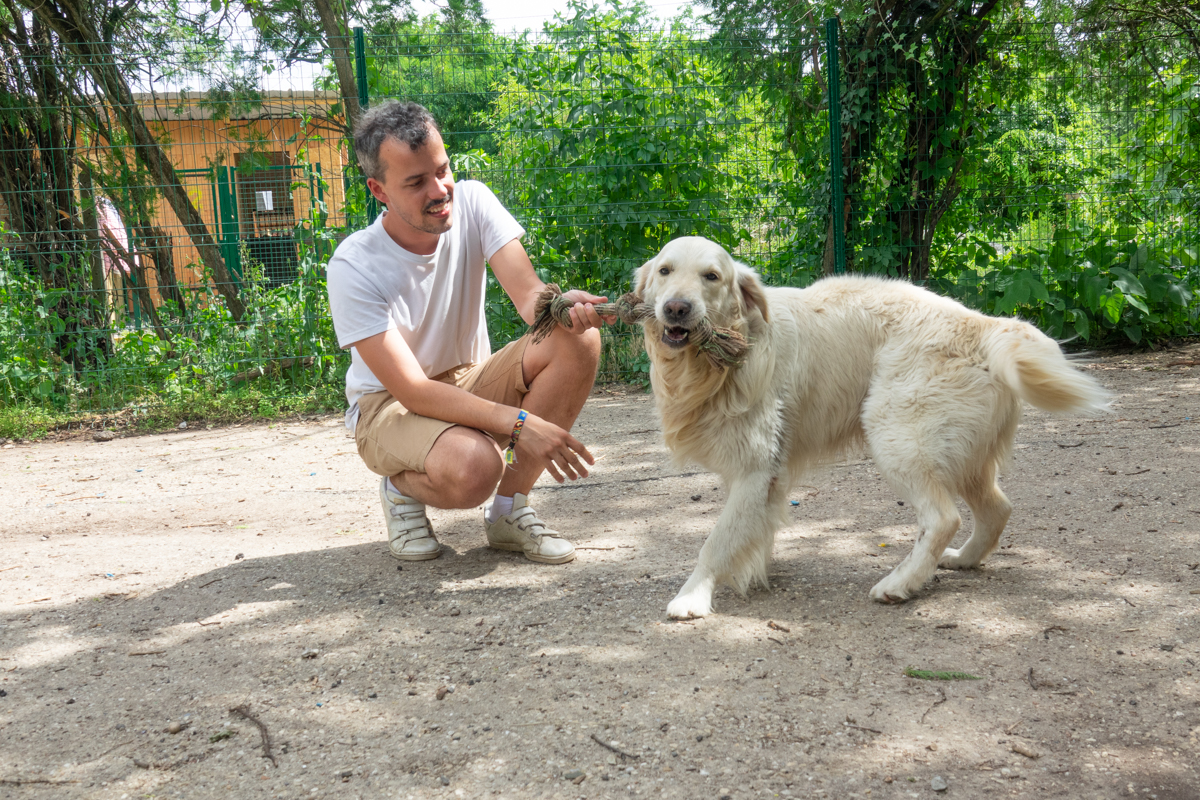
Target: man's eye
712, 276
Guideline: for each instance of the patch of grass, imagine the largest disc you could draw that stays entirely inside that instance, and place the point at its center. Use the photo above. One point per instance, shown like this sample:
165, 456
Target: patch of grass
934, 675
263, 401
28, 421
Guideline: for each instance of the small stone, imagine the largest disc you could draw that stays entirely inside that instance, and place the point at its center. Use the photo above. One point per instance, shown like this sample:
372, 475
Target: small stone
573, 774
345, 775
103, 436
1025, 750
696, 497
239, 556
310, 653
174, 727
933, 748
454, 612
71, 701
183, 426
445, 781
441, 692
938, 784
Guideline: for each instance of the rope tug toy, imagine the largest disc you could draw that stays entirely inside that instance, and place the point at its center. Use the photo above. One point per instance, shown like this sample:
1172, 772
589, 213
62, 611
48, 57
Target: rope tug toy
724, 347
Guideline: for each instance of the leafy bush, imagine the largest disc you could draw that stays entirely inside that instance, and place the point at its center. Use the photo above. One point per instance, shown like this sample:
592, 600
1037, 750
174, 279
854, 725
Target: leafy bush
1101, 284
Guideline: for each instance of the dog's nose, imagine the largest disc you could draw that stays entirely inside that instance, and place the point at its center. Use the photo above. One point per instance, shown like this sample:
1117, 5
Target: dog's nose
677, 310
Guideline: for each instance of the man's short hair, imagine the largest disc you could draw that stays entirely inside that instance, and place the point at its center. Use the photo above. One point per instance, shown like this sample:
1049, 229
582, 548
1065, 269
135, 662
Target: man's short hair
405, 122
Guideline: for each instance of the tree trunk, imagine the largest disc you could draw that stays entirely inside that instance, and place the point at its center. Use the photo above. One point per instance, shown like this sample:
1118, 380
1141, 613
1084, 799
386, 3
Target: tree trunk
73, 26
342, 49
154, 242
95, 254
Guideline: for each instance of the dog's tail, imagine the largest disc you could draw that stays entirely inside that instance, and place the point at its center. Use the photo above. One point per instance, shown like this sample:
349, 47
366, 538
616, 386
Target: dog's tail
1034, 366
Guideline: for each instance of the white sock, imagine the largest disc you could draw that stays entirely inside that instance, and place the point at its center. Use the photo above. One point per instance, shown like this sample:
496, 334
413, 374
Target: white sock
500, 506
394, 494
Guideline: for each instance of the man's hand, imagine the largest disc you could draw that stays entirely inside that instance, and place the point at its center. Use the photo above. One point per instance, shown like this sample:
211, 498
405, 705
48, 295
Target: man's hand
511, 266
583, 311
554, 448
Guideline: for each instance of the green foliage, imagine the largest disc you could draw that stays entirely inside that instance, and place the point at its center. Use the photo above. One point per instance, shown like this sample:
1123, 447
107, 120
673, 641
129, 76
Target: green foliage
625, 139
448, 64
1101, 284
30, 367
286, 337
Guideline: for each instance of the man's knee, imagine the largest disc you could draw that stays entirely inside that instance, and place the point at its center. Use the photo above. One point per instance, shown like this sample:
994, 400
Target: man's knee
465, 468
583, 349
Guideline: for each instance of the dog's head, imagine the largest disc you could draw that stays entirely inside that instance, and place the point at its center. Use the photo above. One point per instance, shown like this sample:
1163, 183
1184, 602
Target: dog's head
693, 278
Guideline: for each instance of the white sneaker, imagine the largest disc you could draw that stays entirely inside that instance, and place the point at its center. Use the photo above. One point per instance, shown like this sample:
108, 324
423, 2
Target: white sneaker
410, 535
522, 531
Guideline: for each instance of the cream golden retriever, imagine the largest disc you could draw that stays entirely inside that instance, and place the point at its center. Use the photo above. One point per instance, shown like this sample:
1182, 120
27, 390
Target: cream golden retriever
932, 389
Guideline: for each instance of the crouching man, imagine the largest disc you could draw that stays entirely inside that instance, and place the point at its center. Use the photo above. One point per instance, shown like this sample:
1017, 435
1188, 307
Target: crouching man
433, 411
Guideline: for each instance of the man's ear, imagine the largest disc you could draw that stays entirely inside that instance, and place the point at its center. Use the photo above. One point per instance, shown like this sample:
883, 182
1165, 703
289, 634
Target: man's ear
751, 290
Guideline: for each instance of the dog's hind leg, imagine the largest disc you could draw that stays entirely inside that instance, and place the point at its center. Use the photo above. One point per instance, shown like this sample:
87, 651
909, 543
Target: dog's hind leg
991, 510
938, 521
738, 551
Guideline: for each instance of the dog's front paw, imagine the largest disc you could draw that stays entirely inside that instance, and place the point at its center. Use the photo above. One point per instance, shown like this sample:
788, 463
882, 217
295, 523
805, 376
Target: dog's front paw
953, 559
891, 590
690, 604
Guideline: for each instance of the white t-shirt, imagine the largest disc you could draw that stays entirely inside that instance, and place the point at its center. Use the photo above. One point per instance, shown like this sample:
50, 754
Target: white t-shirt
436, 301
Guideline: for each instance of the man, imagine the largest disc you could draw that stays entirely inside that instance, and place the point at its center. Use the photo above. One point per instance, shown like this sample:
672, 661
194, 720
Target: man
429, 407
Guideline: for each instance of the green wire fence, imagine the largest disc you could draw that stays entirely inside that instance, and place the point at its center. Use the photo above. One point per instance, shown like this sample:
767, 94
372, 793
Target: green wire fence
1044, 171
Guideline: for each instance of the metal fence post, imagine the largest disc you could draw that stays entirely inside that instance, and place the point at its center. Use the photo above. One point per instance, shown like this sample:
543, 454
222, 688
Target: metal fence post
364, 99
837, 204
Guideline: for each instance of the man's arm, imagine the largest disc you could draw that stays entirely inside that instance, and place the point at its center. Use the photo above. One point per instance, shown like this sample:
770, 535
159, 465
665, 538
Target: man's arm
513, 269
391, 360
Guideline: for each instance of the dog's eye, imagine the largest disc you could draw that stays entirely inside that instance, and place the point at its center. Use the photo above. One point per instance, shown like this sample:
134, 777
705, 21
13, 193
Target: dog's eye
665, 271
711, 276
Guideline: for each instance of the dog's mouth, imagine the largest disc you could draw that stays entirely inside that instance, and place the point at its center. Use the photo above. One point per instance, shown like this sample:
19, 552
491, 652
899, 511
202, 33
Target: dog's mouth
675, 336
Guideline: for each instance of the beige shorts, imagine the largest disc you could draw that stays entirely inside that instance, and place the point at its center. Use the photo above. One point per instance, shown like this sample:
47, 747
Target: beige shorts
391, 439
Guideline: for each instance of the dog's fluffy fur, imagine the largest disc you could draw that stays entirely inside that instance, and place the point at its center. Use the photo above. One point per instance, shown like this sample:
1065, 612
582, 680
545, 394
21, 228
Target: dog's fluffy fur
932, 389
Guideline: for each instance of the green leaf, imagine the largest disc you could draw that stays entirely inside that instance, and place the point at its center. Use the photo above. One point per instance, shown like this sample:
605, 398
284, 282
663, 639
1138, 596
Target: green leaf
216, 6
1134, 333
1082, 326
1180, 295
1127, 282
1139, 257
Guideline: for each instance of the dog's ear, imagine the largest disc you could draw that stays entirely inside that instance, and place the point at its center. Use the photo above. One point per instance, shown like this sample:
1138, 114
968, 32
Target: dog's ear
751, 290
641, 276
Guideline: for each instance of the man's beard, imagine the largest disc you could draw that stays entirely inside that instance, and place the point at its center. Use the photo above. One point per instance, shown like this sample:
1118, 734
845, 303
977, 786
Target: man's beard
429, 225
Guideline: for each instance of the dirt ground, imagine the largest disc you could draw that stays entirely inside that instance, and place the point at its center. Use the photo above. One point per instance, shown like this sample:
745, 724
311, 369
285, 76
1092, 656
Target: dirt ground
152, 584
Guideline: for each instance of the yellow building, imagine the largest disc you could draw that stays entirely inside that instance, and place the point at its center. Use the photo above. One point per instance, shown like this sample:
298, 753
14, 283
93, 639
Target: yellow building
254, 171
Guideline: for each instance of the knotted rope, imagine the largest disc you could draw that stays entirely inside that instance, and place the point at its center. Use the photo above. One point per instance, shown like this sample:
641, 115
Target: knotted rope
724, 347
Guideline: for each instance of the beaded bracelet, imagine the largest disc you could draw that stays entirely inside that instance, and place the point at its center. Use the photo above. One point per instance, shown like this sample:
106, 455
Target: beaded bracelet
510, 453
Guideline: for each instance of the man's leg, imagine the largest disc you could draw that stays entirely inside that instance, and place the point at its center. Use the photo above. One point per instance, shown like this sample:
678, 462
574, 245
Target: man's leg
559, 372
461, 470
